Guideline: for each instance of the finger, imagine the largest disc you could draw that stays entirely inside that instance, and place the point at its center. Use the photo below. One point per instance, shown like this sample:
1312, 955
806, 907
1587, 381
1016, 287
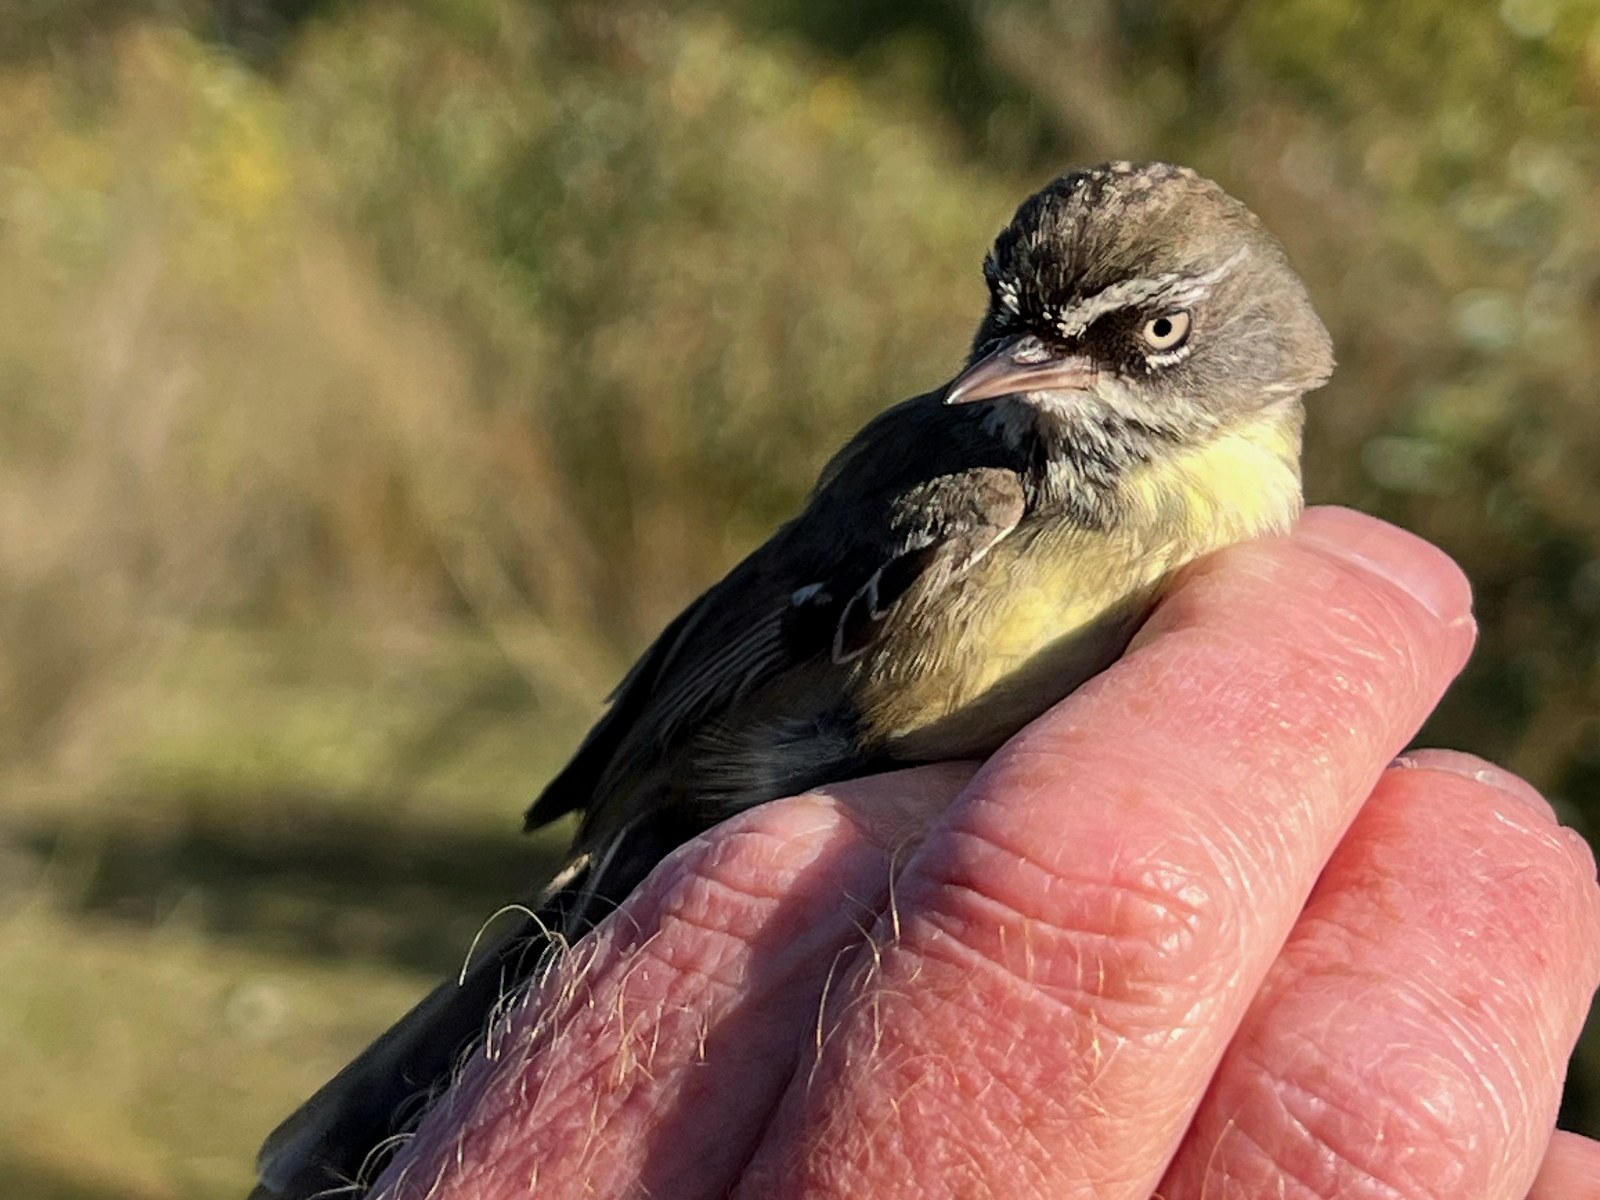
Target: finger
1078, 938
1571, 1169
1411, 1039
648, 1061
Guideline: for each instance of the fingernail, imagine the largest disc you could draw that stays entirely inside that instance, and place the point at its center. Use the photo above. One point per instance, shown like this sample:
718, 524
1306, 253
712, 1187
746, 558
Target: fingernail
1470, 766
1416, 567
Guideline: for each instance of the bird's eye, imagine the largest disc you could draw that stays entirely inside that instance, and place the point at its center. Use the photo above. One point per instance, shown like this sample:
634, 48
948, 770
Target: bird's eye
1166, 332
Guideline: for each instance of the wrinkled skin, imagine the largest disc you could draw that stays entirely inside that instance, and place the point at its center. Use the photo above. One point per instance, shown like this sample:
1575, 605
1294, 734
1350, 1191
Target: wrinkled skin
1189, 934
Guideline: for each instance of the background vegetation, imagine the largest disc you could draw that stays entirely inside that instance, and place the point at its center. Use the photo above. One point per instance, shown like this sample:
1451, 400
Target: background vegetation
377, 376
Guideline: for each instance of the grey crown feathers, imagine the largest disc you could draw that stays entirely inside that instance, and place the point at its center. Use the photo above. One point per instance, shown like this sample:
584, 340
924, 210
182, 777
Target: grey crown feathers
1128, 239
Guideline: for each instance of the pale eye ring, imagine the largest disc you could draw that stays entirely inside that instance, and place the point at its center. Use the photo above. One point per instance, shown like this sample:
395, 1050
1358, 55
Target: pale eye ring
1166, 332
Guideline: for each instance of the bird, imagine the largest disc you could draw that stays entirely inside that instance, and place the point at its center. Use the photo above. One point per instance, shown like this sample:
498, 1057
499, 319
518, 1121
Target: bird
1132, 400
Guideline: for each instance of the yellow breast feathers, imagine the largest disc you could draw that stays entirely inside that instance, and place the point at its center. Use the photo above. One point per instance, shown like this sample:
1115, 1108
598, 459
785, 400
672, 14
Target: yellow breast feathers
1053, 603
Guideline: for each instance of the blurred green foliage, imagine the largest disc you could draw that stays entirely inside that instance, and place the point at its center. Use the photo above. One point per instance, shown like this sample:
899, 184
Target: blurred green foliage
377, 377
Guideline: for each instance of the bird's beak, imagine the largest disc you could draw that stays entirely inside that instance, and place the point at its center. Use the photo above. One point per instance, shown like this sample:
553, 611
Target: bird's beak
1020, 365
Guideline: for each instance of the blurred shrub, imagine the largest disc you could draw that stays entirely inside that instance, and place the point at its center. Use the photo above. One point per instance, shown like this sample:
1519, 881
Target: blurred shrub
631, 269
698, 260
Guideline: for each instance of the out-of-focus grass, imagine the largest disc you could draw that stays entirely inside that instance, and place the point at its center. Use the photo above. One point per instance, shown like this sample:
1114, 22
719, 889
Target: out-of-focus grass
138, 1066
302, 832
376, 377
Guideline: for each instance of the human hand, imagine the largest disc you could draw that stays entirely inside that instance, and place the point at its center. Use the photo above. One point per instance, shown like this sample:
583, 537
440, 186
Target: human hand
1188, 934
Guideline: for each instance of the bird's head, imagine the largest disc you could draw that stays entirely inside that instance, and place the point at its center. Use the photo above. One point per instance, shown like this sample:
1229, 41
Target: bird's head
1143, 296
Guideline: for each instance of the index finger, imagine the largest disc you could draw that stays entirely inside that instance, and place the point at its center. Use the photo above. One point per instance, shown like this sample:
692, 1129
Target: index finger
1077, 939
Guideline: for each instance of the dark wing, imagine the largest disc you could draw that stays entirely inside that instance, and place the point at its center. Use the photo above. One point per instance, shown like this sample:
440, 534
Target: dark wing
885, 528
723, 643
942, 527
896, 518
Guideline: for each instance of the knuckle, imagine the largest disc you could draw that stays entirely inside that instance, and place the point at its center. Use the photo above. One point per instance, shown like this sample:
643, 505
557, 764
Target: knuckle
1128, 944
721, 891
1418, 1141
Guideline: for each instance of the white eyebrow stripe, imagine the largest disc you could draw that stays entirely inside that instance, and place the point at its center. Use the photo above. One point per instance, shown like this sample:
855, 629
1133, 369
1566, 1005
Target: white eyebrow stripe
1172, 288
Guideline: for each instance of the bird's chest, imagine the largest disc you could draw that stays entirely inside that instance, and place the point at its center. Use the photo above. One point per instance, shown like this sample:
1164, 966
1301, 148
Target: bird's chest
1054, 603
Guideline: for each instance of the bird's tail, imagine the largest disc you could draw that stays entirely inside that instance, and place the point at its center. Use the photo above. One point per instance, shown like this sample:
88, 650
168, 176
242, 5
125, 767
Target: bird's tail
335, 1143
